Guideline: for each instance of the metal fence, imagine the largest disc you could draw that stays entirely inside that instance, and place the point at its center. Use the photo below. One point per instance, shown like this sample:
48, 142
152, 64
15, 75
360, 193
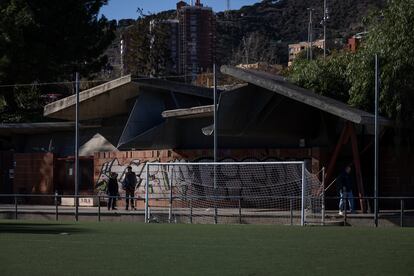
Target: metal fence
14, 205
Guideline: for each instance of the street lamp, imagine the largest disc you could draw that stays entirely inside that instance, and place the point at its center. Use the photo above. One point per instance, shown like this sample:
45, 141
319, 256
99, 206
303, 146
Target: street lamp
324, 22
310, 33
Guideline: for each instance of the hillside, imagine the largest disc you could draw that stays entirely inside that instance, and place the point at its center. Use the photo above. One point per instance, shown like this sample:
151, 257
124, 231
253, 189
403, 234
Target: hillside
286, 21
281, 22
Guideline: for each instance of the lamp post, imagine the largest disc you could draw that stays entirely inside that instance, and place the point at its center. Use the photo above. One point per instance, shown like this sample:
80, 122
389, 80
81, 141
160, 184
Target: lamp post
77, 147
377, 88
310, 33
325, 21
215, 142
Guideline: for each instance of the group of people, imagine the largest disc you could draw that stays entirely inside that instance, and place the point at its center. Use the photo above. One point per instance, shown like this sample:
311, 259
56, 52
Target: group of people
128, 184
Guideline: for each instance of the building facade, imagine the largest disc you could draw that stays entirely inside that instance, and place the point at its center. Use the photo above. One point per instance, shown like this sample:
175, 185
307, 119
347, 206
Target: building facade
355, 41
129, 122
295, 49
197, 36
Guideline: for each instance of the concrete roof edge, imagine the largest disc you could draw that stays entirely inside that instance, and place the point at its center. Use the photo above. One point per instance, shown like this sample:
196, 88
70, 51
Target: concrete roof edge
182, 88
205, 109
85, 95
37, 125
281, 86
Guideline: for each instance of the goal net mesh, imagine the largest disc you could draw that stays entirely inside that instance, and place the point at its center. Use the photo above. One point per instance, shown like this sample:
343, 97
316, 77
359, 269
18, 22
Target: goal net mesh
269, 193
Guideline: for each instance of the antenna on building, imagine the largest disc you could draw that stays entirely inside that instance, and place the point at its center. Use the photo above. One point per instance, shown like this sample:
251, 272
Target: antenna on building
310, 34
227, 12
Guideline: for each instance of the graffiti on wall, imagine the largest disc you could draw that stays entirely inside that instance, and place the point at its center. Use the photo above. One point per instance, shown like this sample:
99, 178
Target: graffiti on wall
198, 180
114, 166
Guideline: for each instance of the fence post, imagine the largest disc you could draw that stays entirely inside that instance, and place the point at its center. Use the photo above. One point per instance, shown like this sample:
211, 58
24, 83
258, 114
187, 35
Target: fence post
146, 193
215, 193
302, 219
240, 214
171, 195
402, 213
291, 210
56, 206
99, 208
345, 205
376, 210
15, 207
191, 208
76, 208
323, 196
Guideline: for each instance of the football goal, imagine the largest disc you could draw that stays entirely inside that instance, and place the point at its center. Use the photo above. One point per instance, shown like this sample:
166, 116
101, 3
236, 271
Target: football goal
233, 192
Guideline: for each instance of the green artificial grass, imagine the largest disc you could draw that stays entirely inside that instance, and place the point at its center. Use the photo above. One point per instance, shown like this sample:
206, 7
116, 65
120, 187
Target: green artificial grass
30, 248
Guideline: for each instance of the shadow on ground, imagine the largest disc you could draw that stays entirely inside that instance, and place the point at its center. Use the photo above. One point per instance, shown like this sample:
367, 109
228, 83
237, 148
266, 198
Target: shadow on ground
39, 228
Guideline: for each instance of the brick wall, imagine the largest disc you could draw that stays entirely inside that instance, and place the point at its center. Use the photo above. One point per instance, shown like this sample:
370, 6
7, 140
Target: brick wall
33, 173
6, 172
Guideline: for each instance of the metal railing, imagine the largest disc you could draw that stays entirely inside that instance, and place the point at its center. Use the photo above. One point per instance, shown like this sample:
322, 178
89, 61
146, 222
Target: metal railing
14, 200
399, 200
56, 198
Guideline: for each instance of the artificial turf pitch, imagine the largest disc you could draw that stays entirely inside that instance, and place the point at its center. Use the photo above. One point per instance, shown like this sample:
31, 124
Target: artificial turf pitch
29, 248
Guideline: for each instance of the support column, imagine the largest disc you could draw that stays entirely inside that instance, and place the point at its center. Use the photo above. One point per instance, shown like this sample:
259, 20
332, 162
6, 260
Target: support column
357, 164
343, 139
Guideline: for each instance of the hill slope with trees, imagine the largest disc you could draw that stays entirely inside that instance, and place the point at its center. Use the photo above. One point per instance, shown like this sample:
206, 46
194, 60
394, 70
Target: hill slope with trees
285, 21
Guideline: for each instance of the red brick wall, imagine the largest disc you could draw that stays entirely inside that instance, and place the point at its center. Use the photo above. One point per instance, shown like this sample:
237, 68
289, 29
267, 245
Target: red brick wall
396, 173
6, 164
33, 173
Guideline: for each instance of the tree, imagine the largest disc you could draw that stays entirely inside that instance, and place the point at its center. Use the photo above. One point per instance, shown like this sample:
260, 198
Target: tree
391, 37
351, 78
326, 77
47, 40
255, 47
148, 46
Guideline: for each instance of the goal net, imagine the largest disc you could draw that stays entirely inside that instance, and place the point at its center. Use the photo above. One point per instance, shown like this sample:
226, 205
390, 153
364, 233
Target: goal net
257, 192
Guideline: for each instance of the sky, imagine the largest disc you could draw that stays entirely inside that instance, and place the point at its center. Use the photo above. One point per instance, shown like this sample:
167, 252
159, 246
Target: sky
119, 9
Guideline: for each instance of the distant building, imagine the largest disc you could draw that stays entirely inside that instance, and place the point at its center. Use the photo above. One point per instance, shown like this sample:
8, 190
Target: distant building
331, 44
134, 121
355, 41
295, 49
197, 34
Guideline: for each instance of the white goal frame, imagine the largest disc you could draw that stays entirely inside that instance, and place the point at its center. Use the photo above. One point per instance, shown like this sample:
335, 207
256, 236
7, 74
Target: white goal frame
151, 164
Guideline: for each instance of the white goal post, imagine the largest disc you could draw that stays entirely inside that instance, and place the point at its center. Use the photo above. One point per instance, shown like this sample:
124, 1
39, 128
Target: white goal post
232, 192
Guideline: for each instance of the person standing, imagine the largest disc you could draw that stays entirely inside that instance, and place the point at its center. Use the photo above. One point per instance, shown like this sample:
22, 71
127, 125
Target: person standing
112, 190
345, 190
129, 184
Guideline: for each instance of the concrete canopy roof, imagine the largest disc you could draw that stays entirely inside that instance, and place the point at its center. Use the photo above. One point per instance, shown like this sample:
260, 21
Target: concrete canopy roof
279, 85
37, 128
112, 98
187, 113
105, 100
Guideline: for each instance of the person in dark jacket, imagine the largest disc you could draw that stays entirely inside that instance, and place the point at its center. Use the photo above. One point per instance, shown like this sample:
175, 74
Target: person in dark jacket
345, 190
130, 181
112, 191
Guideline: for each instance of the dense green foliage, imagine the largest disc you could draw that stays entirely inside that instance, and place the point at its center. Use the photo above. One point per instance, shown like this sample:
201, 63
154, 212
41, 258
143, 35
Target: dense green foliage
391, 37
174, 249
47, 40
326, 77
351, 77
